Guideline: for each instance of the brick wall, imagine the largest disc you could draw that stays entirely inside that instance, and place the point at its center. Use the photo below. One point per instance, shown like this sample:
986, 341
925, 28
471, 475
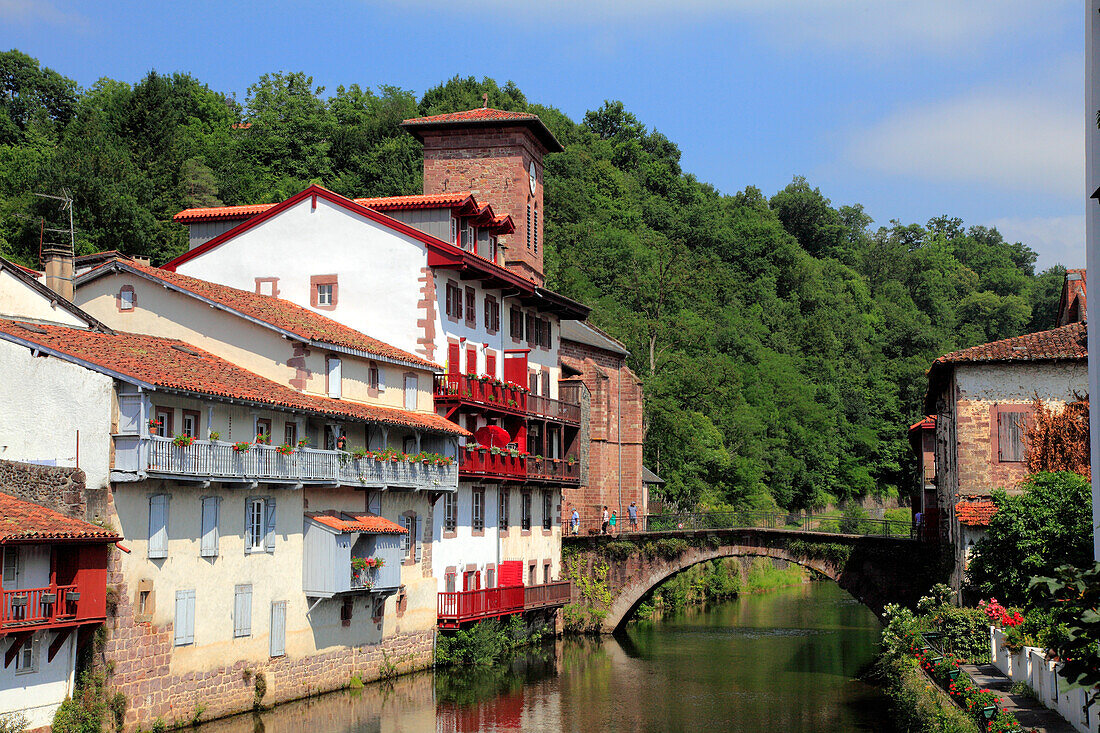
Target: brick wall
493, 163
61, 488
606, 376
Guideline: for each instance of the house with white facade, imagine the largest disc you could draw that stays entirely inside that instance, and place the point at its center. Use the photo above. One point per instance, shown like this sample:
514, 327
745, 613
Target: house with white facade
454, 276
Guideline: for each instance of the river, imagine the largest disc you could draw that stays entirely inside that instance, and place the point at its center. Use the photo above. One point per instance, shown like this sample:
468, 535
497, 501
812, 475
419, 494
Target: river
783, 661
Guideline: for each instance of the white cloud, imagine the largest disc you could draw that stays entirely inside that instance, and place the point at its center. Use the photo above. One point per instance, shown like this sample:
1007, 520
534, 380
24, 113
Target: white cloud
1029, 139
897, 26
1058, 240
38, 11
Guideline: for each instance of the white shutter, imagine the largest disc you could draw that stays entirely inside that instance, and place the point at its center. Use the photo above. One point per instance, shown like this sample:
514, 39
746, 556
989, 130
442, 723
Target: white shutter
211, 506
334, 377
247, 526
381, 380
242, 611
185, 617
158, 526
419, 542
269, 525
410, 392
278, 628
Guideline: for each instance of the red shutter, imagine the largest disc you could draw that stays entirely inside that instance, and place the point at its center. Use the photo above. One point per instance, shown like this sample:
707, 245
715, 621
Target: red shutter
511, 573
452, 358
490, 364
471, 360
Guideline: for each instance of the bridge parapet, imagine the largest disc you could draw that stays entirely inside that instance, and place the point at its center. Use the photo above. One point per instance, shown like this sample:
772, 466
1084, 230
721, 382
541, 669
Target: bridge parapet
612, 575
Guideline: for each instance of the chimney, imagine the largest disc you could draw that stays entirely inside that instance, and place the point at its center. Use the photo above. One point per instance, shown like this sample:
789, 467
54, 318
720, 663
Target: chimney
58, 264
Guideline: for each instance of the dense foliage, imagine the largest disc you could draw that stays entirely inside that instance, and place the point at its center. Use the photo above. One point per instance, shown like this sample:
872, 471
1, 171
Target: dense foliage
1031, 534
1058, 440
1071, 596
782, 341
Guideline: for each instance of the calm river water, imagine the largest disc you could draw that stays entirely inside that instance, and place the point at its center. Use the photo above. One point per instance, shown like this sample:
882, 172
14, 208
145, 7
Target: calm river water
779, 662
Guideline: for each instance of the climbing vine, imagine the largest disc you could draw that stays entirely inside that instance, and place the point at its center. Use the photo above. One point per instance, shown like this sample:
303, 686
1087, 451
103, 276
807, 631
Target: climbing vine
591, 585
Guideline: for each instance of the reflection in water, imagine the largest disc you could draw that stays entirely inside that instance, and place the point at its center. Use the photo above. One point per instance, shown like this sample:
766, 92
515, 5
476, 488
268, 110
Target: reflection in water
784, 661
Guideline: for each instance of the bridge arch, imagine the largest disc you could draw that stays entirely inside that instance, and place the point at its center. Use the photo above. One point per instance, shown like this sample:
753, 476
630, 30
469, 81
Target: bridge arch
875, 570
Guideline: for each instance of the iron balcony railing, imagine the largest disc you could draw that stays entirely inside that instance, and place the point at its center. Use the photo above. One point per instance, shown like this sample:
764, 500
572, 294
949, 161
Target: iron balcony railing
553, 409
553, 469
52, 605
831, 523
219, 460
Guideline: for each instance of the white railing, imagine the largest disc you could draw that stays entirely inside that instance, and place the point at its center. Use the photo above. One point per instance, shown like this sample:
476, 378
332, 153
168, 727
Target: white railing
217, 459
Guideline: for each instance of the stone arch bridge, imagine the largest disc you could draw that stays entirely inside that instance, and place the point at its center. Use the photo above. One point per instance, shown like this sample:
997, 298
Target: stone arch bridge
612, 575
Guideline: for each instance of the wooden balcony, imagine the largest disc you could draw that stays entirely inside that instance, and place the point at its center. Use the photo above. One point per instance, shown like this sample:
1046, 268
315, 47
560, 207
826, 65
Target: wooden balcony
555, 470
137, 456
459, 607
481, 462
53, 606
491, 395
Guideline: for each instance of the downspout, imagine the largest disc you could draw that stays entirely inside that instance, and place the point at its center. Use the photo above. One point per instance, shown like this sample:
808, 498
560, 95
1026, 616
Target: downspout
619, 435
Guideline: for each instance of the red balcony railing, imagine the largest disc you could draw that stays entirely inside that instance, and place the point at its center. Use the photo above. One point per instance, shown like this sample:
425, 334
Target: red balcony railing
52, 605
458, 607
553, 409
487, 393
546, 595
553, 469
483, 462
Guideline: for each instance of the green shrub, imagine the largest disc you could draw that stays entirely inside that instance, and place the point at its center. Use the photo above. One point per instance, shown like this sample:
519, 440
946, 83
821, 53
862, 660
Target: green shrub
83, 713
482, 644
619, 549
965, 632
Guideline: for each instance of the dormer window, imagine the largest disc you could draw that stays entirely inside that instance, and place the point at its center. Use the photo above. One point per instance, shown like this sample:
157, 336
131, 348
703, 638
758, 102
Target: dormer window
324, 292
467, 236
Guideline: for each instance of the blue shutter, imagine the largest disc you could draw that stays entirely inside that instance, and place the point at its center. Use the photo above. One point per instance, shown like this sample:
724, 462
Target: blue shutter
247, 526
210, 510
158, 526
278, 628
242, 611
269, 525
185, 617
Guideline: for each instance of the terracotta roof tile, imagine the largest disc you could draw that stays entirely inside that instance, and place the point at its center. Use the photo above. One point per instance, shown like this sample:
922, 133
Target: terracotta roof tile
282, 314
975, 512
213, 213
424, 201
175, 365
484, 117
23, 520
371, 523
927, 422
471, 115
1065, 342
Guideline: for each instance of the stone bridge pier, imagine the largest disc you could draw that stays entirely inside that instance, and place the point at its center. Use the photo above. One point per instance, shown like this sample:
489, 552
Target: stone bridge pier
612, 575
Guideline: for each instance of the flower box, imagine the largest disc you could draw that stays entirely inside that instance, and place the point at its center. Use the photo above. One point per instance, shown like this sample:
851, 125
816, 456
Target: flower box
73, 595
17, 601
49, 598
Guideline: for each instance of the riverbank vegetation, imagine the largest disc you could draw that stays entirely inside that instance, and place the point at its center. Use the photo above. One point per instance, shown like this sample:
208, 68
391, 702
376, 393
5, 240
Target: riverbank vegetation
486, 643
782, 340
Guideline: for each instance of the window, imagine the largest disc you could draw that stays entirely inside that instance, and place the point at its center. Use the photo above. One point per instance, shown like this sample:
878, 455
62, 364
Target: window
158, 526
278, 628
11, 567
335, 385
490, 577
471, 307
144, 604
263, 430
191, 423
211, 506
533, 382
545, 382
502, 519
449, 582
1011, 436
547, 510
164, 418
528, 226
372, 376
478, 521
546, 572
492, 314
544, 335
515, 326
185, 617
323, 292
259, 524
454, 230
492, 249
409, 522
126, 298
26, 660
267, 286
290, 433
467, 236
454, 301
411, 389
526, 516
450, 512
531, 329
242, 611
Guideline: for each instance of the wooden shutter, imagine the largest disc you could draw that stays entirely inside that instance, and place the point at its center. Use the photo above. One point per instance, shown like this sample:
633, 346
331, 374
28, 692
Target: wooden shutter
419, 541
185, 617
269, 525
247, 526
450, 299
334, 377
278, 628
211, 506
1011, 428
242, 611
490, 364
158, 526
471, 307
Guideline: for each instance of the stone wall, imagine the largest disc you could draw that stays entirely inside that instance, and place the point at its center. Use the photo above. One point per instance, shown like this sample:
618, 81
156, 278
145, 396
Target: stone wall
61, 488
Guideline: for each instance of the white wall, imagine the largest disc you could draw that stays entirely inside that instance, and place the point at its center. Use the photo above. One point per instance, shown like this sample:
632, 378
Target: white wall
378, 268
38, 693
45, 402
1022, 382
18, 301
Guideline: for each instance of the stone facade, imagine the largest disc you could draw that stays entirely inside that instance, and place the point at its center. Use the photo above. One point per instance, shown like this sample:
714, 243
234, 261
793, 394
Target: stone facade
616, 431
60, 488
494, 164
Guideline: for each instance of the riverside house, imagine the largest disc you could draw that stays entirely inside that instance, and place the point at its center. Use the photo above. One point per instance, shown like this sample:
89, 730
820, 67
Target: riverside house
241, 579
455, 276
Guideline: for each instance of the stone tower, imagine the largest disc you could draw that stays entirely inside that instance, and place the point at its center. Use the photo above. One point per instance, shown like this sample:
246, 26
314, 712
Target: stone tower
497, 156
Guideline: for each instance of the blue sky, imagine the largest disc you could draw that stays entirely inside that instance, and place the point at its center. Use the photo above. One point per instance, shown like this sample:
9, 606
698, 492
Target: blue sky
913, 108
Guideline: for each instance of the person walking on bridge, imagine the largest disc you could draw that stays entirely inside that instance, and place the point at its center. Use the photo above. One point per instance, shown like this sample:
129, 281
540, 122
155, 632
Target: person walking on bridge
632, 511
575, 522
606, 519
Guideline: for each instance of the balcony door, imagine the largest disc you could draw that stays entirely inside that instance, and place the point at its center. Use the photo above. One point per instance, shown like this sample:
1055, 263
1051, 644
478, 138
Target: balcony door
515, 366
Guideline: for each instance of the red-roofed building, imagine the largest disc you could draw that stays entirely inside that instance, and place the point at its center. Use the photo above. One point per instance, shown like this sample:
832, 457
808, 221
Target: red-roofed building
1073, 305
927, 516
53, 593
982, 399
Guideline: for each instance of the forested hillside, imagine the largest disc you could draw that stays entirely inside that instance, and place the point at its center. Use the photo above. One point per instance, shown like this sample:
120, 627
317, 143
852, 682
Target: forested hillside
782, 340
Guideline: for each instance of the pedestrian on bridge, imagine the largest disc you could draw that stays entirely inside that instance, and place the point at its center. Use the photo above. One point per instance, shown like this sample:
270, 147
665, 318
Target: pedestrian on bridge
606, 519
632, 511
575, 522
614, 521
